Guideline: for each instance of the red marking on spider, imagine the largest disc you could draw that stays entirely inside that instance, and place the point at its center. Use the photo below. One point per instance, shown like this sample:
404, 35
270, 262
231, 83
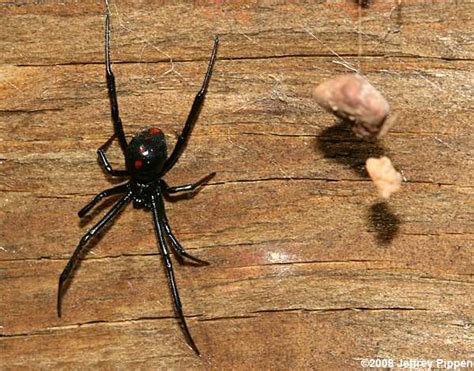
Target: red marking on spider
148, 138
154, 131
138, 164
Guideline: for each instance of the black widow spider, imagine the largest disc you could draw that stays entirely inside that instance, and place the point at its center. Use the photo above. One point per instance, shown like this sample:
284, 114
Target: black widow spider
146, 163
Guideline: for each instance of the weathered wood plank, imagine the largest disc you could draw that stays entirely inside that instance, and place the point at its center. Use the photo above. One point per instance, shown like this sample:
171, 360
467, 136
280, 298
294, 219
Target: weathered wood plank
254, 132
151, 32
309, 269
117, 289
238, 345
266, 216
125, 297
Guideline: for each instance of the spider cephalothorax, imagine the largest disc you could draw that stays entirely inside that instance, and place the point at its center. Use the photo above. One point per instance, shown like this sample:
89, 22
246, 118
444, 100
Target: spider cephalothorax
146, 162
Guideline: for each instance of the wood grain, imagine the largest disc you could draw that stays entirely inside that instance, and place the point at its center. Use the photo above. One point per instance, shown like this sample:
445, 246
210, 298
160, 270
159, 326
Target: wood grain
309, 269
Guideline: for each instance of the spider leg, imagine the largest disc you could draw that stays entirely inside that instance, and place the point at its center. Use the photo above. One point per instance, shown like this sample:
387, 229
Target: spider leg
111, 214
105, 162
118, 128
193, 114
122, 188
157, 210
180, 249
186, 187
177, 246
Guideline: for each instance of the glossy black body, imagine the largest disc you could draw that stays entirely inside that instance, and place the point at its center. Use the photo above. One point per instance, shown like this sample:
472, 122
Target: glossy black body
146, 162
146, 155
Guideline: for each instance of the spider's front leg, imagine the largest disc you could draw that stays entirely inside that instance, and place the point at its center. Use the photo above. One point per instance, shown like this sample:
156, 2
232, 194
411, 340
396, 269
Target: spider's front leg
122, 188
174, 241
95, 230
158, 211
177, 246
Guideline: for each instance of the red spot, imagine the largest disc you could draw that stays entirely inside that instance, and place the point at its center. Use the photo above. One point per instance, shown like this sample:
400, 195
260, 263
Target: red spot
154, 131
148, 138
138, 164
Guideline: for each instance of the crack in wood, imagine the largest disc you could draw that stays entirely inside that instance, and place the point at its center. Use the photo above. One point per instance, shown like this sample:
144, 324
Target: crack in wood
245, 58
49, 330
344, 309
201, 318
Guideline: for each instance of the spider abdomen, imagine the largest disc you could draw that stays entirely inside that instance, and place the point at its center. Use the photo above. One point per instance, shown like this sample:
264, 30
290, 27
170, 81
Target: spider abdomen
145, 155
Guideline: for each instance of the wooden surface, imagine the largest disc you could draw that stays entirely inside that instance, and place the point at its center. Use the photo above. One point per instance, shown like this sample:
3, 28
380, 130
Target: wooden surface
309, 269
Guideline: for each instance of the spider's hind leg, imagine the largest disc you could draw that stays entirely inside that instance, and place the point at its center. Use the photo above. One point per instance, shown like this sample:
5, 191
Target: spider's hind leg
193, 114
114, 108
